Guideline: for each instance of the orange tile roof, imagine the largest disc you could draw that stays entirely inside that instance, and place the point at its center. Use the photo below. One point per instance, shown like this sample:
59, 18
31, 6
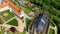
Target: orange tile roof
14, 8
4, 5
11, 5
6, 1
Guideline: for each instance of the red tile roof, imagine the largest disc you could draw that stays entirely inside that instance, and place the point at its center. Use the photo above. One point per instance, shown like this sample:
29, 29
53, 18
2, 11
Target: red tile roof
14, 8
7, 3
4, 5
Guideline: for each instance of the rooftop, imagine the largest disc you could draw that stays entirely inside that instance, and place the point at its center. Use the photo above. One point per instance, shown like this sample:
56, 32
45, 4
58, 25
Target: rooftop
40, 22
7, 3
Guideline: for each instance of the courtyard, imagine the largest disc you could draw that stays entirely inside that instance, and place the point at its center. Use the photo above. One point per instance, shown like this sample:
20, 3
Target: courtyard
6, 15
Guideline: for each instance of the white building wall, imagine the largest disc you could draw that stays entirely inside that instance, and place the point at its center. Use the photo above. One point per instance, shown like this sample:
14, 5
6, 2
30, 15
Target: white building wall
0, 1
10, 9
5, 8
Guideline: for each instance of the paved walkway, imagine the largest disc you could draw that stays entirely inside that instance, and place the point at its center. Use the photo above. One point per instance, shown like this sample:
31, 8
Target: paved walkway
9, 20
54, 28
6, 25
2, 18
21, 25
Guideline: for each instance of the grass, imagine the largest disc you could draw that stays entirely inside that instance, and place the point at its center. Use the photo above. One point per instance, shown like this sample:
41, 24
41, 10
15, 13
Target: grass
52, 24
1, 21
25, 8
10, 15
24, 32
27, 22
2, 30
55, 19
51, 31
16, 32
13, 22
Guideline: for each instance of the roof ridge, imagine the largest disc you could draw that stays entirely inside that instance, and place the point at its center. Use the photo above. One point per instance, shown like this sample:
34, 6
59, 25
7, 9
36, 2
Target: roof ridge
7, 3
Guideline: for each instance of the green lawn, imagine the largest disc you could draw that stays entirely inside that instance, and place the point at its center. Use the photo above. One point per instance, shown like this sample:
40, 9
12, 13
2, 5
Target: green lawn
1, 21
24, 32
16, 32
13, 22
52, 23
55, 19
25, 8
16, 3
9, 15
27, 22
2, 30
51, 31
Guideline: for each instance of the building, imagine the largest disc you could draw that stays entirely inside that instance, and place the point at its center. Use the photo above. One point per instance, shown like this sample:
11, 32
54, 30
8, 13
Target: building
39, 25
0, 1
8, 5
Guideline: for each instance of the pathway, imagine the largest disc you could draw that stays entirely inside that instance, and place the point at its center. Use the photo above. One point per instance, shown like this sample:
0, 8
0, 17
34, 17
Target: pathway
54, 28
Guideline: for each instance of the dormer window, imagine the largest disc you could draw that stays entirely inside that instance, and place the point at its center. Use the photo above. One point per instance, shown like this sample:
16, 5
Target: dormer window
43, 21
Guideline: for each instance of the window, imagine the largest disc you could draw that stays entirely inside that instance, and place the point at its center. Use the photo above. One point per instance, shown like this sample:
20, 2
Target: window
43, 21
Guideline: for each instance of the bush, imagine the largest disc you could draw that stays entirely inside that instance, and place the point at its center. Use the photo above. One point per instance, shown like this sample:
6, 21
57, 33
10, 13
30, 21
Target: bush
13, 22
27, 22
24, 32
51, 31
52, 24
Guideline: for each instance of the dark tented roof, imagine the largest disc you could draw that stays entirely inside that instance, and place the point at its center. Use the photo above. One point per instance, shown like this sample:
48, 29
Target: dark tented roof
40, 22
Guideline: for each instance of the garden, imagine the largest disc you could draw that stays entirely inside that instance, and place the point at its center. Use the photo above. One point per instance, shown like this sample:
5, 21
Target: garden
52, 23
19, 5
13, 22
51, 31
2, 30
6, 15
1, 21
27, 22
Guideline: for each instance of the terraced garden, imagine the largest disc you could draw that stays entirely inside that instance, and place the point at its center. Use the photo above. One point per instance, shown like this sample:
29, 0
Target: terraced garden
19, 5
24, 32
52, 24
27, 22
52, 7
17, 32
1, 21
2, 30
51, 31
13, 22
6, 15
